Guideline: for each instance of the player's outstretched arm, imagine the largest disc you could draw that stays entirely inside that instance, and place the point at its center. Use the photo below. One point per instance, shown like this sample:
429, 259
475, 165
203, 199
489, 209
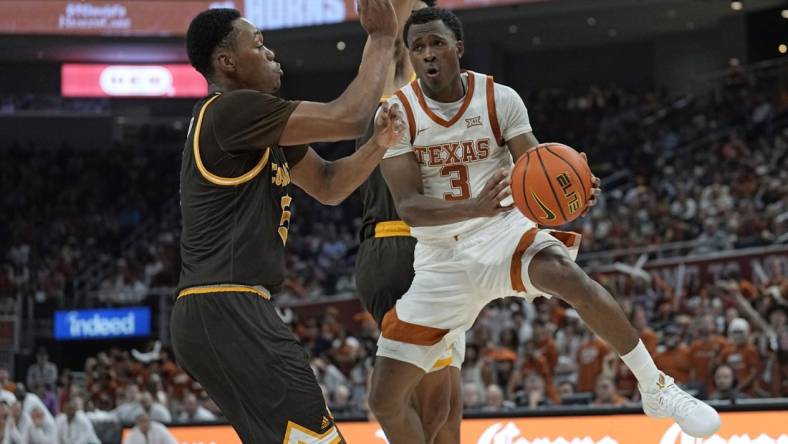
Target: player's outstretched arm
400, 68
332, 182
347, 117
403, 176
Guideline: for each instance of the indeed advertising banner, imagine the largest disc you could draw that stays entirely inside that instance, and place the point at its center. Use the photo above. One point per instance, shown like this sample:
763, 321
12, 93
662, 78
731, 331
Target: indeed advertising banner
126, 322
738, 428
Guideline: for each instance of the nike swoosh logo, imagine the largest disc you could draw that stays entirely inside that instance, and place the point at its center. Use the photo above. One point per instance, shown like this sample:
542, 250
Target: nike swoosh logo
421, 130
548, 215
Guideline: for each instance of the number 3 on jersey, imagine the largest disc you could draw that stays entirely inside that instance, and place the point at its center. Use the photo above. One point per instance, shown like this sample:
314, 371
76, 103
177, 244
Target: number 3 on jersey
459, 181
284, 221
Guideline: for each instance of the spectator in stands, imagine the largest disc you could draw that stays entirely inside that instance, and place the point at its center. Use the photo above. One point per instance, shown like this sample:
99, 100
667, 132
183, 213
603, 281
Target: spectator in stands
605, 393
494, 400
73, 427
544, 343
193, 411
5, 381
3, 420
47, 396
40, 431
471, 396
328, 375
128, 410
533, 393
534, 363
149, 432
742, 357
778, 366
725, 384
590, 357
156, 411
339, 400
30, 401
705, 353
675, 358
42, 372
16, 425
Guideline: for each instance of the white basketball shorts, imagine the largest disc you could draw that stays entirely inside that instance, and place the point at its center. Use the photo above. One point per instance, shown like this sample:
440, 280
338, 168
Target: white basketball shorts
455, 278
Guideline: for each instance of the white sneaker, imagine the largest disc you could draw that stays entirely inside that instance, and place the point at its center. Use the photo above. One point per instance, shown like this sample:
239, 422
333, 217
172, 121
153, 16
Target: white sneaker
667, 400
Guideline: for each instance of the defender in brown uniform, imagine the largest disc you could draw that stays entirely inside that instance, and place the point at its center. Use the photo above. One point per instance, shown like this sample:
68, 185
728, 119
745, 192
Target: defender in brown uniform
384, 265
243, 149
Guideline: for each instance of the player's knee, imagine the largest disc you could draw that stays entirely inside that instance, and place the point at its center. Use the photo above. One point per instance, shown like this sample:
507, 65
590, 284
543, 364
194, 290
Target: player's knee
385, 405
434, 416
554, 271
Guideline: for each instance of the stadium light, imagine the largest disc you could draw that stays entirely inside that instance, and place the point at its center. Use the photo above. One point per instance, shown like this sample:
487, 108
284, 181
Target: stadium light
784, 13
783, 48
737, 6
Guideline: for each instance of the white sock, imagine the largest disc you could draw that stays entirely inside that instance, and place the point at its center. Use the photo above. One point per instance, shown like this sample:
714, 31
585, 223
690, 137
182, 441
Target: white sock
642, 366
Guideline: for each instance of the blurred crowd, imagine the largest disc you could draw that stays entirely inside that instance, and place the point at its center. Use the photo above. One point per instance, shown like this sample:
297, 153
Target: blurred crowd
710, 168
143, 390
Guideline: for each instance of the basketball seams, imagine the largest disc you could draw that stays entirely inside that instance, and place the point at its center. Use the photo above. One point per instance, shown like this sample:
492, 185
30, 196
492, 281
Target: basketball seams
525, 182
550, 184
579, 178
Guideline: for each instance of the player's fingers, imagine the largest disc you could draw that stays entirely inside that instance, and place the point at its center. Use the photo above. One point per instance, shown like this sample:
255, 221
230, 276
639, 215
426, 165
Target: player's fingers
382, 120
393, 109
399, 125
596, 182
503, 194
490, 185
497, 182
583, 155
504, 209
385, 108
501, 190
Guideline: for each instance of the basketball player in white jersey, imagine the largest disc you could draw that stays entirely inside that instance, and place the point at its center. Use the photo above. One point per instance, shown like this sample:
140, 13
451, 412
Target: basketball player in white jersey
448, 178
384, 264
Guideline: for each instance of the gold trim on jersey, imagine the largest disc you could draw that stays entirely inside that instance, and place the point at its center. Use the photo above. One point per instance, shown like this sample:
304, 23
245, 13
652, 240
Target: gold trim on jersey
440, 364
392, 228
222, 288
298, 434
210, 177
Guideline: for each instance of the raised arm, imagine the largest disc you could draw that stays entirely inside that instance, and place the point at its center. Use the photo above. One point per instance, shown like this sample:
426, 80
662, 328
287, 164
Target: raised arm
400, 71
347, 117
403, 177
331, 182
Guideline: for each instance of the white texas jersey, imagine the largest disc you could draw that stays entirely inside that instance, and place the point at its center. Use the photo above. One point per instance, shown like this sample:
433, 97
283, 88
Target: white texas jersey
459, 145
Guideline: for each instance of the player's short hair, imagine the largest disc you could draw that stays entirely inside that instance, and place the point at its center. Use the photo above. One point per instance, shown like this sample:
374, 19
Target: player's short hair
431, 14
211, 29
430, 3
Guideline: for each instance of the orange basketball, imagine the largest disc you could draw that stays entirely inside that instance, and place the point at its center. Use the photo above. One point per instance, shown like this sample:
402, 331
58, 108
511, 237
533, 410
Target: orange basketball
551, 184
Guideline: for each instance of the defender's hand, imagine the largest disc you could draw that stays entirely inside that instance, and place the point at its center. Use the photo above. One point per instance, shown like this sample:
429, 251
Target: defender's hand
488, 202
378, 17
388, 126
